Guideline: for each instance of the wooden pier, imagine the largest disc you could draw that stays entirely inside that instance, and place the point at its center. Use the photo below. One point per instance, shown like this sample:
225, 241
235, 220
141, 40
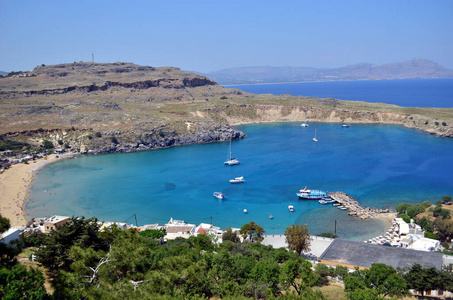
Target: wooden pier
355, 209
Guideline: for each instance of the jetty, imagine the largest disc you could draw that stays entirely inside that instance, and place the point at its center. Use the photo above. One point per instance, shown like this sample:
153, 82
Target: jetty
355, 209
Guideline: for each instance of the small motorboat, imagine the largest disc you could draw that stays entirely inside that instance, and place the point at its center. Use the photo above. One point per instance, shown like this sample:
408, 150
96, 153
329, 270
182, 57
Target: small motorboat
238, 180
291, 208
345, 125
219, 195
245, 211
271, 217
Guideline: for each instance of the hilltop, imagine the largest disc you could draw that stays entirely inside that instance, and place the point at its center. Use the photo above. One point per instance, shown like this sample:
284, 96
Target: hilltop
123, 107
415, 68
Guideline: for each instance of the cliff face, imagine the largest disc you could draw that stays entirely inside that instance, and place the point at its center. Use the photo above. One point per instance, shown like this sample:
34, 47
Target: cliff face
120, 107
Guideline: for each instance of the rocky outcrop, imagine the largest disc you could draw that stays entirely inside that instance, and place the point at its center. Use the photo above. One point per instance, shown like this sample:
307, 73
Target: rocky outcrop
276, 113
139, 85
160, 138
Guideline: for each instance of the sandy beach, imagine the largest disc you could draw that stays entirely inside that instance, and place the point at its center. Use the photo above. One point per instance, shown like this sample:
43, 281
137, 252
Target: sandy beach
14, 185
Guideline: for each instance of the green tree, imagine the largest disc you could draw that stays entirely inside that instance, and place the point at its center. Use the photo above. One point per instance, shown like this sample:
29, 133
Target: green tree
298, 238
417, 279
385, 280
20, 283
153, 233
229, 235
252, 231
54, 253
426, 204
446, 198
401, 208
297, 273
426, 224
444, 229
47, 144
4, 224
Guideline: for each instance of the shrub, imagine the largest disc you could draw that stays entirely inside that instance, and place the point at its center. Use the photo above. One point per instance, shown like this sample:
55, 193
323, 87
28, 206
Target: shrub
405, 218
60, 142
114, 140
223, 98
47, 144
430, 235
328, 235
98, 134
426, 204
90, 137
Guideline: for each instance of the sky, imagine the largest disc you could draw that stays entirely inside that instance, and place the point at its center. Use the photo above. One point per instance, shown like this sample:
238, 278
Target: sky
206, 36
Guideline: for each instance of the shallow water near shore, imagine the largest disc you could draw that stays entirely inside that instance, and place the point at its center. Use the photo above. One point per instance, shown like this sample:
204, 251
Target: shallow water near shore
378, 165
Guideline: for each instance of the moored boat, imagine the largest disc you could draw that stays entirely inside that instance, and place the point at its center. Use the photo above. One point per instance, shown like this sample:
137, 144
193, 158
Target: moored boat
326, 200
245, 211
291, 208
238, 180
311, 194
219, 195
231, 161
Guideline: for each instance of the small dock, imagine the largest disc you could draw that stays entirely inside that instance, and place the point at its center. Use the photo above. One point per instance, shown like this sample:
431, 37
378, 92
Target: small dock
355, 209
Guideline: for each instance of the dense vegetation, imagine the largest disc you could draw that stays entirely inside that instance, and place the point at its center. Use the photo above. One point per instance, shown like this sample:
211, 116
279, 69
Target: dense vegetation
435, 220
85, 263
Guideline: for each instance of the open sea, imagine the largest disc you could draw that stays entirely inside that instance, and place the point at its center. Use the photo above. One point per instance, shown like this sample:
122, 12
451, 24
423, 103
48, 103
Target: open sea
378, 165
402, 92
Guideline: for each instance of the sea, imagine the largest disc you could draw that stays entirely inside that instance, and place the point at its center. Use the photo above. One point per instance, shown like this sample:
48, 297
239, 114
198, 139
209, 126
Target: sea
378, 165
401, 92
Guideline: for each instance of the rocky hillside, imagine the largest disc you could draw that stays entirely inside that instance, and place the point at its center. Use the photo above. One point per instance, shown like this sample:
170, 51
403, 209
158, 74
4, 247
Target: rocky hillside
122, 107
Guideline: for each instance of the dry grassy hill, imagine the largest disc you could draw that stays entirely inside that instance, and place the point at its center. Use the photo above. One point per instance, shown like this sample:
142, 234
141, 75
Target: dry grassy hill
86, 104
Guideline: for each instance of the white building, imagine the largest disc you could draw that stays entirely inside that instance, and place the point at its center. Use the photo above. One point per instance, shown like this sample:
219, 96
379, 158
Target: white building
10, 235
425, 244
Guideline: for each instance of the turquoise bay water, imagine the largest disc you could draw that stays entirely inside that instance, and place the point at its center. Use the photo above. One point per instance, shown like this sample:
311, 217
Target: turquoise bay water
379, 165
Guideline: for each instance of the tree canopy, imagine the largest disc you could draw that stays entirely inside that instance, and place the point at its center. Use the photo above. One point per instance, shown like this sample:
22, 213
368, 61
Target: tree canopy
298, 238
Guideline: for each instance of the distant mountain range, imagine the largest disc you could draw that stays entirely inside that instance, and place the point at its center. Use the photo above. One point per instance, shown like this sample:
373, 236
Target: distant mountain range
3, 73
415, 68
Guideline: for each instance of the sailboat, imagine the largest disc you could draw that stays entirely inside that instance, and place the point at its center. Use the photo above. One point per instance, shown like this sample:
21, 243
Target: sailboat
304, 124
315, 139
231, 161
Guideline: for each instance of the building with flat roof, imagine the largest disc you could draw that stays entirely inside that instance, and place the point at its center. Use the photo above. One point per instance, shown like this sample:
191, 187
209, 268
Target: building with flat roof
364, 255
54, 222
10, 235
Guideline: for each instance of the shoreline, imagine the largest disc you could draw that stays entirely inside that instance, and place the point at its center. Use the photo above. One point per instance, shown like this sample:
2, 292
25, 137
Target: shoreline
15, 184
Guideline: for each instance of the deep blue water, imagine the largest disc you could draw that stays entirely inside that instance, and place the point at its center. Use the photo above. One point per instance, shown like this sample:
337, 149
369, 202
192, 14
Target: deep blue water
379, 165
405, 92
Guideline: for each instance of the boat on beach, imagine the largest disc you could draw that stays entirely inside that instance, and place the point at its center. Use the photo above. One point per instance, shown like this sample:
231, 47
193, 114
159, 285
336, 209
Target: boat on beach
219, 195
238, 180
311, 194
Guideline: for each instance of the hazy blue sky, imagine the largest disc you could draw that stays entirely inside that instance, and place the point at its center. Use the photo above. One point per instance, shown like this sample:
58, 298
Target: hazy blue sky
212, 35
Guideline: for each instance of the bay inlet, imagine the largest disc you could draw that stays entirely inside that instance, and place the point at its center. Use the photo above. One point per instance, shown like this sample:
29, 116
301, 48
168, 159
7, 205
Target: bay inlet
378, 165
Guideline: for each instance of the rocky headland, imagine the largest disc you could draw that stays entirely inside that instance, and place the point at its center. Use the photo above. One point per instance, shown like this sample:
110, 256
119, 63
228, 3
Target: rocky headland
123, 107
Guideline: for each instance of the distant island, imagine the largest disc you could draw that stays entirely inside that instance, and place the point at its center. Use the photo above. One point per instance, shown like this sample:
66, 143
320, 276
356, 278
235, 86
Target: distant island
415, 68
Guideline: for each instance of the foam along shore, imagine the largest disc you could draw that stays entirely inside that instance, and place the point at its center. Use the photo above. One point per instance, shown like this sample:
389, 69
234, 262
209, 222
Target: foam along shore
14, 185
